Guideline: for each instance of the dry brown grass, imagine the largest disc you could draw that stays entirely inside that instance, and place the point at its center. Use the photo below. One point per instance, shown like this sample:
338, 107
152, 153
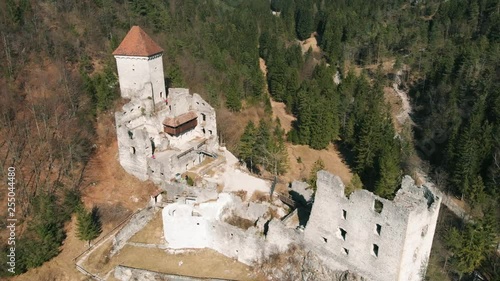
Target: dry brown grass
334, 162
239, 222
259, 196
231, 125
279, 111
242, 194
200, 263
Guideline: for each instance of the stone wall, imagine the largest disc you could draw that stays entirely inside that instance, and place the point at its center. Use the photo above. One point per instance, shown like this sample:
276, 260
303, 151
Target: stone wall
206, 228
136, 223
377, 238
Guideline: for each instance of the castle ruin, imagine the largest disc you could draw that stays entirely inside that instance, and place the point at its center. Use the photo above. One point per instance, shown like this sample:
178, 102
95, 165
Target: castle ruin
159, 133
163, 133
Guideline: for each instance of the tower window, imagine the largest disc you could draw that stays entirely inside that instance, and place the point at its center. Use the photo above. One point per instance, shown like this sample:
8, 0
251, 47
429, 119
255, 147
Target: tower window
342, 233
344, 214
132, 150
345, 251
203, 130
324, 239
204, 117
375, 250
378, 228
378, 206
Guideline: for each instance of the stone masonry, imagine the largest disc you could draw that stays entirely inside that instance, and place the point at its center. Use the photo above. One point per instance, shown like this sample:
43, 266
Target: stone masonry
375, 237
159, 133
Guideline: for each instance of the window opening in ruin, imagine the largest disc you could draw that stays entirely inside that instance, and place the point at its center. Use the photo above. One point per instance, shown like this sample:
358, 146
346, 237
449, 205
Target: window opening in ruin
161, 94
378, 206
344, 214
203, 130
378, 228
345, 251
130, 135
324, 239
204, 117
169, 107
375, 250
342, 233
133, 69
132, 150
210, 132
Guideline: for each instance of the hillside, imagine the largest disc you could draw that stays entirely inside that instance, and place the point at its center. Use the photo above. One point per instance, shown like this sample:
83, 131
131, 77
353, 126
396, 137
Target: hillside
58, 82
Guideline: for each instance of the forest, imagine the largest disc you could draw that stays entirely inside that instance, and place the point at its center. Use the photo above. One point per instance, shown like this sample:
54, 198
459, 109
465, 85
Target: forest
446, 54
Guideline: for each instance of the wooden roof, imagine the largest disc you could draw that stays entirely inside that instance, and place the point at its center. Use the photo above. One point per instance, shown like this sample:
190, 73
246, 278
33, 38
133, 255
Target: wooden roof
179, 120
137, 43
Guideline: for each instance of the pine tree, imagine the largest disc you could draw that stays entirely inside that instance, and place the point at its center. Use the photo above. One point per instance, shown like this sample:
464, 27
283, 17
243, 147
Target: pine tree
318, 166
247, 144
389, 172
354, 185
304, 23
88, 224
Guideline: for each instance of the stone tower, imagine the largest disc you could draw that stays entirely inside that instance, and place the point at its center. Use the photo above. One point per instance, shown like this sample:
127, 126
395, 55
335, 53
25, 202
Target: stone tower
140, 67
380, 239
160, 133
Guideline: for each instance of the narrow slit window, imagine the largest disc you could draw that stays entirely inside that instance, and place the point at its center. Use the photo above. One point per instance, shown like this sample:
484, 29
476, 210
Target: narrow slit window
345, 251
342, 233
344, 214
378, 228
132, 150
375, 250
324, 239
378, 206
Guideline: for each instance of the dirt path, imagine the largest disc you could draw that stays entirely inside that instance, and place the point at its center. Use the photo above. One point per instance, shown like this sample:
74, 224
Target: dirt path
404, 114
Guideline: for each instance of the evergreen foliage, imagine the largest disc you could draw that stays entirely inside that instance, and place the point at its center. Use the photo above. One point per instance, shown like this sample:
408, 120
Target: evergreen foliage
88, 224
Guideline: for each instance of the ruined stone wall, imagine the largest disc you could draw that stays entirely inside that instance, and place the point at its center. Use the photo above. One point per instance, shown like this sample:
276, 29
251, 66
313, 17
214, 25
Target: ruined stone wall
188, 227
132, 151
370, 235
419, 234
136, 223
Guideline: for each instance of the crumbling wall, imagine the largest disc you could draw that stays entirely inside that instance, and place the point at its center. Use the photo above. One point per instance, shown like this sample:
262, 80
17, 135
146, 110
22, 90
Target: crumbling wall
188, 227
132, 152
136, 223
367, 234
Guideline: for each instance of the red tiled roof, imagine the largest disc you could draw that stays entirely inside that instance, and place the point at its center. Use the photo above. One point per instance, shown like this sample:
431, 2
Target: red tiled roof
179, 120
137, 43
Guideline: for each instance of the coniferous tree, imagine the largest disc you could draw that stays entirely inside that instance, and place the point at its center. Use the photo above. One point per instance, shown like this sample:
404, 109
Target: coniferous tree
247, 144
88, 224
317, 166
304, 22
